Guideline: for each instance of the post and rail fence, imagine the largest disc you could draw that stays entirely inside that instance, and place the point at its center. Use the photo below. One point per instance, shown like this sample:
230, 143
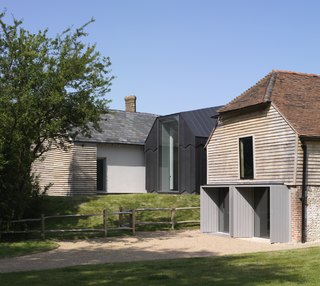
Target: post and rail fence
123, 223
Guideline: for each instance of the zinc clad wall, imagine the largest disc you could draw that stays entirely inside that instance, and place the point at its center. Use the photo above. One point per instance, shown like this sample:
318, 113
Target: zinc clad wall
201, 162
151, 150
151, 158
187, 156
274, 147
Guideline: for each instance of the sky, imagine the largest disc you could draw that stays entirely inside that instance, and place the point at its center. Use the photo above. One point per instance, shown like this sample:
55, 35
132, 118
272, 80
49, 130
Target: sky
179, 55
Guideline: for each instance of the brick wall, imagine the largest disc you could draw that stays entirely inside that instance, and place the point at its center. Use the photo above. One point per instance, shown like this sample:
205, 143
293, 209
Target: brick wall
296, 213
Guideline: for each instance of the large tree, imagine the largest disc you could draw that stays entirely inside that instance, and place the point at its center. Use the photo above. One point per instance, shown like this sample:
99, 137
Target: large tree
50, 88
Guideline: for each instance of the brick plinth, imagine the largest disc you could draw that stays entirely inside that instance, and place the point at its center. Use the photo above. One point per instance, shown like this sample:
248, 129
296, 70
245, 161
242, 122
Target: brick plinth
296, 209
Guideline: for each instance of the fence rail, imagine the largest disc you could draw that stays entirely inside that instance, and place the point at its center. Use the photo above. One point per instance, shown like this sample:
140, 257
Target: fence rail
130, 223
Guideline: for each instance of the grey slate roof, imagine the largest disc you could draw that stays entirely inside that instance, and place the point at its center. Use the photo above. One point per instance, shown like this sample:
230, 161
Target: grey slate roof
122, 127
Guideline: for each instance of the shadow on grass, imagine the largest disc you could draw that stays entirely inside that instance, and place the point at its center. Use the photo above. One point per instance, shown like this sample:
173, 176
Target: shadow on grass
62, 205
255, 269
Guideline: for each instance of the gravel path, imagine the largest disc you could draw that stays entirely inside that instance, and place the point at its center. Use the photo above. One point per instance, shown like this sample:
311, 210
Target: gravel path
143, 246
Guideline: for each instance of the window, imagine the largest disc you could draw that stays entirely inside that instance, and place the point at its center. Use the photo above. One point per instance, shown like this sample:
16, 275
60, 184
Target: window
101, 174
168, 159
246, 158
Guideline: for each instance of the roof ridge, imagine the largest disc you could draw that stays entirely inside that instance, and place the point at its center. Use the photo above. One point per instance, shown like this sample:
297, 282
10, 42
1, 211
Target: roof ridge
193, 110
294, 72
269, 89
137, 112
200, 109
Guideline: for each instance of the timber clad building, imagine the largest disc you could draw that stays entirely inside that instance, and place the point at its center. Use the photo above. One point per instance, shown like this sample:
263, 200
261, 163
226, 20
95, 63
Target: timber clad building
264, 162
111, 161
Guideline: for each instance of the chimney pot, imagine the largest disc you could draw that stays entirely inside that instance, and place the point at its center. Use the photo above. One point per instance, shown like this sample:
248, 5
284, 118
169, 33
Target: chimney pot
130, 103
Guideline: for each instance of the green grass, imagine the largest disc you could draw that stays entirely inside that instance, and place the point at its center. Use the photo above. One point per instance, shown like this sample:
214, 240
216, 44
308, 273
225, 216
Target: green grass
10, 249
96, 204
294, 267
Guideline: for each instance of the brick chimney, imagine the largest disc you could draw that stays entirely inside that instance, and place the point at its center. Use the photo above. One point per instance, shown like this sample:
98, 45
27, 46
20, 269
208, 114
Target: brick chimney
130, 103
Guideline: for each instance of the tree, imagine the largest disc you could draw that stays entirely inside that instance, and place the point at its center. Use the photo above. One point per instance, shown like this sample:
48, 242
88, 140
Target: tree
51, 88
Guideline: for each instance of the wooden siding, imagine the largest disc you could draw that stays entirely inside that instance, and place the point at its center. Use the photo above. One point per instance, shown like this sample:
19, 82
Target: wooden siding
70, 172
274, 144
313, 164
299, 164
53, 168
83, 169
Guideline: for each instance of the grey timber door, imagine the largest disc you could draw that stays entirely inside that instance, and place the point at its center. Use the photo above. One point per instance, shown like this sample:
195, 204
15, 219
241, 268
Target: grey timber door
209, 211
243, 212
279, 214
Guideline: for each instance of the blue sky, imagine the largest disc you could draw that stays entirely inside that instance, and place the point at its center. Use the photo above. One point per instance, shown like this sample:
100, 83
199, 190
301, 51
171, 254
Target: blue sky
178, 55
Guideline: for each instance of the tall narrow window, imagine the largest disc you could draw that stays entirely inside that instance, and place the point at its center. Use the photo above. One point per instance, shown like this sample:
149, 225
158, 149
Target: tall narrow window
246, 158
168, 159
101, 175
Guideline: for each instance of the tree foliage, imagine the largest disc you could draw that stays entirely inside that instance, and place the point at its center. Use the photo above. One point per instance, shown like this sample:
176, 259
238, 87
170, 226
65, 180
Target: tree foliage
50, 89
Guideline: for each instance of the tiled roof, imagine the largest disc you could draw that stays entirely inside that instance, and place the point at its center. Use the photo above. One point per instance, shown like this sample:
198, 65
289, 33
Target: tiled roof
122, 127
295, 95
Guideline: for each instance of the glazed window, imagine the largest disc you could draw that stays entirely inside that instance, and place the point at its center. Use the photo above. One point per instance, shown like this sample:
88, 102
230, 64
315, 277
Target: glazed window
246, 158
169, 142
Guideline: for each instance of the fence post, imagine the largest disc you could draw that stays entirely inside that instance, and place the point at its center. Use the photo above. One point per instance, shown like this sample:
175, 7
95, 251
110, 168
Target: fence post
105, 219
133, 222
43, 227
120, 217
173, 211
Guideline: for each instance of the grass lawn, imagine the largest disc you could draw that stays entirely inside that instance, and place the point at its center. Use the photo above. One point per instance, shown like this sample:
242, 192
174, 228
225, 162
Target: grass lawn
96, 204
9, 249
294, 267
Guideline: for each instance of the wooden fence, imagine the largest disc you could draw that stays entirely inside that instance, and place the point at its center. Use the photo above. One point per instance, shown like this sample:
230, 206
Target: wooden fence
123, 224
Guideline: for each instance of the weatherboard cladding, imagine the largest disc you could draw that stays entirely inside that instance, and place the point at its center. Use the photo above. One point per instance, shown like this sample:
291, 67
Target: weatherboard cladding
121, 127
71, 171
274, 145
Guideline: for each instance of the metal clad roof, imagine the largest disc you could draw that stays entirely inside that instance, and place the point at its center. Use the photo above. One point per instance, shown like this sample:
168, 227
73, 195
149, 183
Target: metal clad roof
122, 127
200, 121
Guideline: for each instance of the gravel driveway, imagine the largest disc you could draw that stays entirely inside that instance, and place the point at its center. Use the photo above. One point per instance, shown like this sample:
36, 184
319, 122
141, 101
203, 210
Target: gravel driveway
143, 246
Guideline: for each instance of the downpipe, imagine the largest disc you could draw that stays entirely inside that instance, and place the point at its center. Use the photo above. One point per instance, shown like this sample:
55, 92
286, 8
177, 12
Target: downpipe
304, 193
